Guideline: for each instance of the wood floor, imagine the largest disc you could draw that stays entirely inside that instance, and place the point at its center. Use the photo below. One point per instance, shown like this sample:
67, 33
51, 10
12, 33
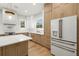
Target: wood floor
35, 49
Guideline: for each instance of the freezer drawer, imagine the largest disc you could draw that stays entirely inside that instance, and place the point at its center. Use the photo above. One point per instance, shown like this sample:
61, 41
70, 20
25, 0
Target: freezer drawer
72, 45
61, 52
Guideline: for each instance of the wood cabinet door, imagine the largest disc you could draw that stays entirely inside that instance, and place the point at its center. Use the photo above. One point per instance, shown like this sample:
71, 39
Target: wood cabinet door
69, 9
22, 49
0, 51
18, 49
63, 10
10, 50
33, 37
47, 8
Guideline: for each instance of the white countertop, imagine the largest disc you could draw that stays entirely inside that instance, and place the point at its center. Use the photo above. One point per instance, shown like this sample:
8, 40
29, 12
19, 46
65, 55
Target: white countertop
11, 39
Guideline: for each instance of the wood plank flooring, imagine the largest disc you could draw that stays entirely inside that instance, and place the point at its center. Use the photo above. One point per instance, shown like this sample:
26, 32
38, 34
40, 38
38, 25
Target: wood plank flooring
35, 49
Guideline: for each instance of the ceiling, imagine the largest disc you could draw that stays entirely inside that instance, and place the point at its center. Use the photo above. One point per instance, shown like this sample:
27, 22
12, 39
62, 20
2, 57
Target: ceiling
26, 9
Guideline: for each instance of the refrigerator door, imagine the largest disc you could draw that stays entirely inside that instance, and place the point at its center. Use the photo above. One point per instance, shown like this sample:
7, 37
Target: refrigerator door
55, 28
69, 28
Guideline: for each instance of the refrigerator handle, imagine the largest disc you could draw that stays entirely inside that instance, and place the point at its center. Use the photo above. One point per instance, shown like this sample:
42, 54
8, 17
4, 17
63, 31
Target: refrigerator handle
60, 28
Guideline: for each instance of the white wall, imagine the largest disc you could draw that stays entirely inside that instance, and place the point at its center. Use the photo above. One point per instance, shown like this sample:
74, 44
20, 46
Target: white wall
31, 24
6, 20
18, 26
1, 26
15, 20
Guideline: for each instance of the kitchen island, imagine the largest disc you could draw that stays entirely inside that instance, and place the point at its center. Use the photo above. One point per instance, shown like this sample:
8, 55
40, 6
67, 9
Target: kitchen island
14, 45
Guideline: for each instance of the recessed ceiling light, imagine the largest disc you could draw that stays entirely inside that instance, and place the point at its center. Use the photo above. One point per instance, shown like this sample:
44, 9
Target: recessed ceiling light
34, 4
26, 11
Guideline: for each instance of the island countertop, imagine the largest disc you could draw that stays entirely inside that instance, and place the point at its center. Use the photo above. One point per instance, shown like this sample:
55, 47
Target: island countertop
12, 39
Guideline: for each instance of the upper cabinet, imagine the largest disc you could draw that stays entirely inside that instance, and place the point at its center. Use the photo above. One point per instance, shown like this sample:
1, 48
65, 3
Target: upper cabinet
60, 10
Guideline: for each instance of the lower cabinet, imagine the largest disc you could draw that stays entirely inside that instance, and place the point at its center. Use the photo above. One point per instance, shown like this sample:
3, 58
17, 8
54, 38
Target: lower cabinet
42, 40
0, 51
10, 50
18, 49
22, 49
